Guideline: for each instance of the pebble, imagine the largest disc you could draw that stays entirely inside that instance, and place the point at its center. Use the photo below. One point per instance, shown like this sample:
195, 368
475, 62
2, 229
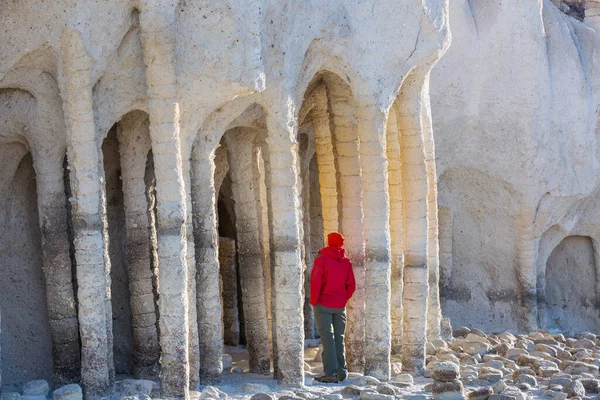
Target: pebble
36, 388
351, 391
480, 394
251, 387
262, 396
386, 388
406, 379
68, 392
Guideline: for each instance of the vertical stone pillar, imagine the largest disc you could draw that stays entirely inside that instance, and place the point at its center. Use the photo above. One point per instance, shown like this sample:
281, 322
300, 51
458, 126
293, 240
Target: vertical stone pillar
527, 267
326, 162
240, 148
229, 291
285, 242
396, 230
134, 146
62, 314
434, 311
158, 48
206, 240
87, 215
351, 223
376, 206
415, 191
193, 340
445, 240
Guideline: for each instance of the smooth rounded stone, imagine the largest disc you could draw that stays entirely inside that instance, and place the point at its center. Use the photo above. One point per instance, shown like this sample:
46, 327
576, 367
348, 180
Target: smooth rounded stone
351, 391
544, 348
584, 344
506, 337
564, 355
227, 361
591, 386
306, 395
526, 379
501, 349
554, 395
461, 332
476, 348
332, 396
406, 379
36, 388
33, 397
136, 397
211, 392
480, 394
561, 380
386, 388
499, 387
262, 396
447, 390
478, 332
514, 353
445, 371
68, 392
237, 370
132, 387
471, 337
450, 358
525, 344
367, 395
366, 381
251, 387
10, 396
574, 389
496, 364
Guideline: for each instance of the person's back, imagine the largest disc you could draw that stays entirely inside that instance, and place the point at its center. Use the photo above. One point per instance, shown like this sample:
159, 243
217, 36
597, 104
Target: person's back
331, 286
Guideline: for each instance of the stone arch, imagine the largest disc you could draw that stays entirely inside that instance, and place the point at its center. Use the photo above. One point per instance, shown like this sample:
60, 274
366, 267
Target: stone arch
570, 286
131, 232
25, 333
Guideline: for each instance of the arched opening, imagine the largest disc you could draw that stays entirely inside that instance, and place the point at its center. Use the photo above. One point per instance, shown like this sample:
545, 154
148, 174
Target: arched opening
130, 192
330, 178
571, 301
25, 331
121, 310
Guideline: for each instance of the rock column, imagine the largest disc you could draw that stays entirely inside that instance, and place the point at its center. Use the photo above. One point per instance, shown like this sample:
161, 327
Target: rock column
414, 174
285, 242
326, 162
251, 269
351, 222
376, 203
193, 339
158, 48
229, 291
434, 310
396, 231
134, 146
206, 241
57, 269
87, 215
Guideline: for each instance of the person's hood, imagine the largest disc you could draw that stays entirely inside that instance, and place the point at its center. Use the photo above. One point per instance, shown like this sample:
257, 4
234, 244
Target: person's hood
337, 253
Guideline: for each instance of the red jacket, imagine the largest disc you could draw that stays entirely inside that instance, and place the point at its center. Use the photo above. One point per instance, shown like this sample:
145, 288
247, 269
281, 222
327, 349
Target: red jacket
332, 279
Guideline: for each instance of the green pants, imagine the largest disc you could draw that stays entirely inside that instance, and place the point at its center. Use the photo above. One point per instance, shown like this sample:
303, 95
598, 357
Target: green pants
331, 325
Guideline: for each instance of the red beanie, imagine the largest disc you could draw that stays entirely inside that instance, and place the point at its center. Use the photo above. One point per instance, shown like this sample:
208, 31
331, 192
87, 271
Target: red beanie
335, 239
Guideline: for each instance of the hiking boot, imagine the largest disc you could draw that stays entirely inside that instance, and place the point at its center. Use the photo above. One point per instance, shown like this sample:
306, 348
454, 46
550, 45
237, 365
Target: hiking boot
327, 379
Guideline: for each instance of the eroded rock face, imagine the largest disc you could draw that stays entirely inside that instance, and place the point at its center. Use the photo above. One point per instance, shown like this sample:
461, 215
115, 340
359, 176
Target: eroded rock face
501, 116
326, 117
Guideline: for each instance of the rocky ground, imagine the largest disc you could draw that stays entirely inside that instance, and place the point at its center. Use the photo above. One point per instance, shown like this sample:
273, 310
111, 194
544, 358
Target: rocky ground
470, 365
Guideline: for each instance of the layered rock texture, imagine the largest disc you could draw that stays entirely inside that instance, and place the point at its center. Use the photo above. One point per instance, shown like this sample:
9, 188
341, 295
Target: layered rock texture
139, 137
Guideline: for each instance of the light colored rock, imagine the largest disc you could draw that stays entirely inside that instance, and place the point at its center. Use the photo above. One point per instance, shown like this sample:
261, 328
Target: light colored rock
251, 387
138, 387
445, 371
447, 390
211, 392
36, 388
68, 392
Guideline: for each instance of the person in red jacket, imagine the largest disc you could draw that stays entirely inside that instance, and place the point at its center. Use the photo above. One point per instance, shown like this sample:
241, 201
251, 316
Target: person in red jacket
331, 286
